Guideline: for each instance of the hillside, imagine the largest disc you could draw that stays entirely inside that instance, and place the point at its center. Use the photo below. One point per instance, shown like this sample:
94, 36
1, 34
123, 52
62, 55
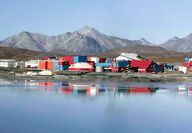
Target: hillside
153, 52
149, 51
23, 54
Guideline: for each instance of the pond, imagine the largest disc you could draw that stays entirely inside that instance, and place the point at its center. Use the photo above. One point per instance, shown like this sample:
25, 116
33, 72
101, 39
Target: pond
92, 107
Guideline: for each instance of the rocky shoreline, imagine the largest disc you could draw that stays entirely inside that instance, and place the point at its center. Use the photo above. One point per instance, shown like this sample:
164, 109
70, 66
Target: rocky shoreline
105, 76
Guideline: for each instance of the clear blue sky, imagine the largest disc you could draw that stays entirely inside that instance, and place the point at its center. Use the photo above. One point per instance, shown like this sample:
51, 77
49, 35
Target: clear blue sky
155, 20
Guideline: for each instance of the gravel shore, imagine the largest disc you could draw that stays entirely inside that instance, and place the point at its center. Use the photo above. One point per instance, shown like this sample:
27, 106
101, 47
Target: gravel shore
105, 76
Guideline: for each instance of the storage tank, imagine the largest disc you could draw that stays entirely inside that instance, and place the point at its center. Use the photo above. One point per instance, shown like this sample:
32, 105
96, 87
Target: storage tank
99, 68
81, 67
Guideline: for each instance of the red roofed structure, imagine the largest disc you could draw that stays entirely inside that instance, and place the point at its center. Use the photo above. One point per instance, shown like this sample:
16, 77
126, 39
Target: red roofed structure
142, 65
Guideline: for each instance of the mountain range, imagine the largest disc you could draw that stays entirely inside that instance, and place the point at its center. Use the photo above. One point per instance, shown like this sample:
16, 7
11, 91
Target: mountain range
87, 40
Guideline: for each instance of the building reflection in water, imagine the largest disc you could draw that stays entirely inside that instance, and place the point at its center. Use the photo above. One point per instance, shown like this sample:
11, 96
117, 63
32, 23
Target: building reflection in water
91, 89
99, 88
185, 90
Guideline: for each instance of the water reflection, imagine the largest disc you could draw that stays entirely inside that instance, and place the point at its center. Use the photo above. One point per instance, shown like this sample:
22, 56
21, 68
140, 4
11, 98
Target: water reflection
109, 88
96, 88
63, 106
182, 88
91, 89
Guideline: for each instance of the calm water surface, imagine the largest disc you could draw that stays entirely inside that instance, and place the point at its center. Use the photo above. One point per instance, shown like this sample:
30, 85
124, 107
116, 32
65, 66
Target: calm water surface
90, 107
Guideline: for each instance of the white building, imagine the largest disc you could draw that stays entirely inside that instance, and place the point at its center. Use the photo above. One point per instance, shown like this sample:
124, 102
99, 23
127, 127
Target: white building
19, 64
129, 56
32, 63
7, 63
183, 69
95, 59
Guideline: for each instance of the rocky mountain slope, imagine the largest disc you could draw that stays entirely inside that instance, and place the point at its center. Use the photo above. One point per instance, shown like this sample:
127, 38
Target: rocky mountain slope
179, 44
84, 41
